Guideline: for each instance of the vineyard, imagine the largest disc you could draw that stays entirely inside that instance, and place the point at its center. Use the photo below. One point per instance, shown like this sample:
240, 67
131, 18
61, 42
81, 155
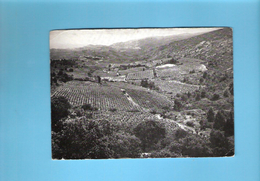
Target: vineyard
128, 120
147, 74
107, 97
149, 100
131, 70
99, 96
175, 87
173, 72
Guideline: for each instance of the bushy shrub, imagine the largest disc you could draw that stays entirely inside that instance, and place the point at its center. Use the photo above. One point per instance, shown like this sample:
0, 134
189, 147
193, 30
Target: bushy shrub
113, 109
165, 153
215, 97
59, 109
149, 132
86, 107
195, 146
229, 125
203, 94
190, 123
231, 89
219, 143
184, 97
226, 93
205, 124
192, 71
180, 133
173, 61
205, 75
83, 138
197, 97
178, 105
150, 85
219, 121
123, 145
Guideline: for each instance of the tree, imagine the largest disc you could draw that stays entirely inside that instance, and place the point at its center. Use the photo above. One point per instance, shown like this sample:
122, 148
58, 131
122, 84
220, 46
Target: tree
201, 80
185, 79
149, 132
195, 146
203, 94
190, 124
86, 107
229, 126
184, 97
164, 153
231, 89
81, 138
197, 98
177, 105
219, 121
210, 115
215, 97
173, 61
219, 143
89, 74
180, 133
226, 93
205, 75
60, 73
123, 145
59, 109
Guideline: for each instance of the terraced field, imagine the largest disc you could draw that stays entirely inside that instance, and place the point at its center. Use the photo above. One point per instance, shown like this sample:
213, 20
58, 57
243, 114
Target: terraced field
131, 70
175, 87
147, 74
173, 72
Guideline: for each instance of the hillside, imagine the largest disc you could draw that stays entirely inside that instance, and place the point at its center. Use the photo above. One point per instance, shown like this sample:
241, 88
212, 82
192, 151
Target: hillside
151, 42
153, 97
215, 47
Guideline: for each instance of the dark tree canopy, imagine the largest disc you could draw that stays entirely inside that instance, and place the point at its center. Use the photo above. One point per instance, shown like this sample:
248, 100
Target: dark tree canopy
219, 143
177, 105
83, 138
219, 121
195, 146
229, 126
149, 132
59, 109
210, 115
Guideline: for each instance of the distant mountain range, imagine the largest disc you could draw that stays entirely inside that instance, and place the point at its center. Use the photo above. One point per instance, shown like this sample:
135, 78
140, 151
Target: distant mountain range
199, 46
150, 42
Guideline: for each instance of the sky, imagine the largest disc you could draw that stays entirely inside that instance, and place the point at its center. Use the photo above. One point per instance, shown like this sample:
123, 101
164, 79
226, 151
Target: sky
78, 38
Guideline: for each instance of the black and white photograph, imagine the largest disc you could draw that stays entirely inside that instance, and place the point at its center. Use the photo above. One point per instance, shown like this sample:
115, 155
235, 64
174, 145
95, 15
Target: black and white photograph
142, 93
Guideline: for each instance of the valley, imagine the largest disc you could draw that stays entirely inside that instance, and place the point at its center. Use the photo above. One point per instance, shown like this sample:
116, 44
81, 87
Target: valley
169, 97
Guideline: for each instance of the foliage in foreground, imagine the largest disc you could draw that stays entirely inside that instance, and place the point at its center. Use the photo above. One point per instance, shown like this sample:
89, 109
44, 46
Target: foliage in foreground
83, 138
